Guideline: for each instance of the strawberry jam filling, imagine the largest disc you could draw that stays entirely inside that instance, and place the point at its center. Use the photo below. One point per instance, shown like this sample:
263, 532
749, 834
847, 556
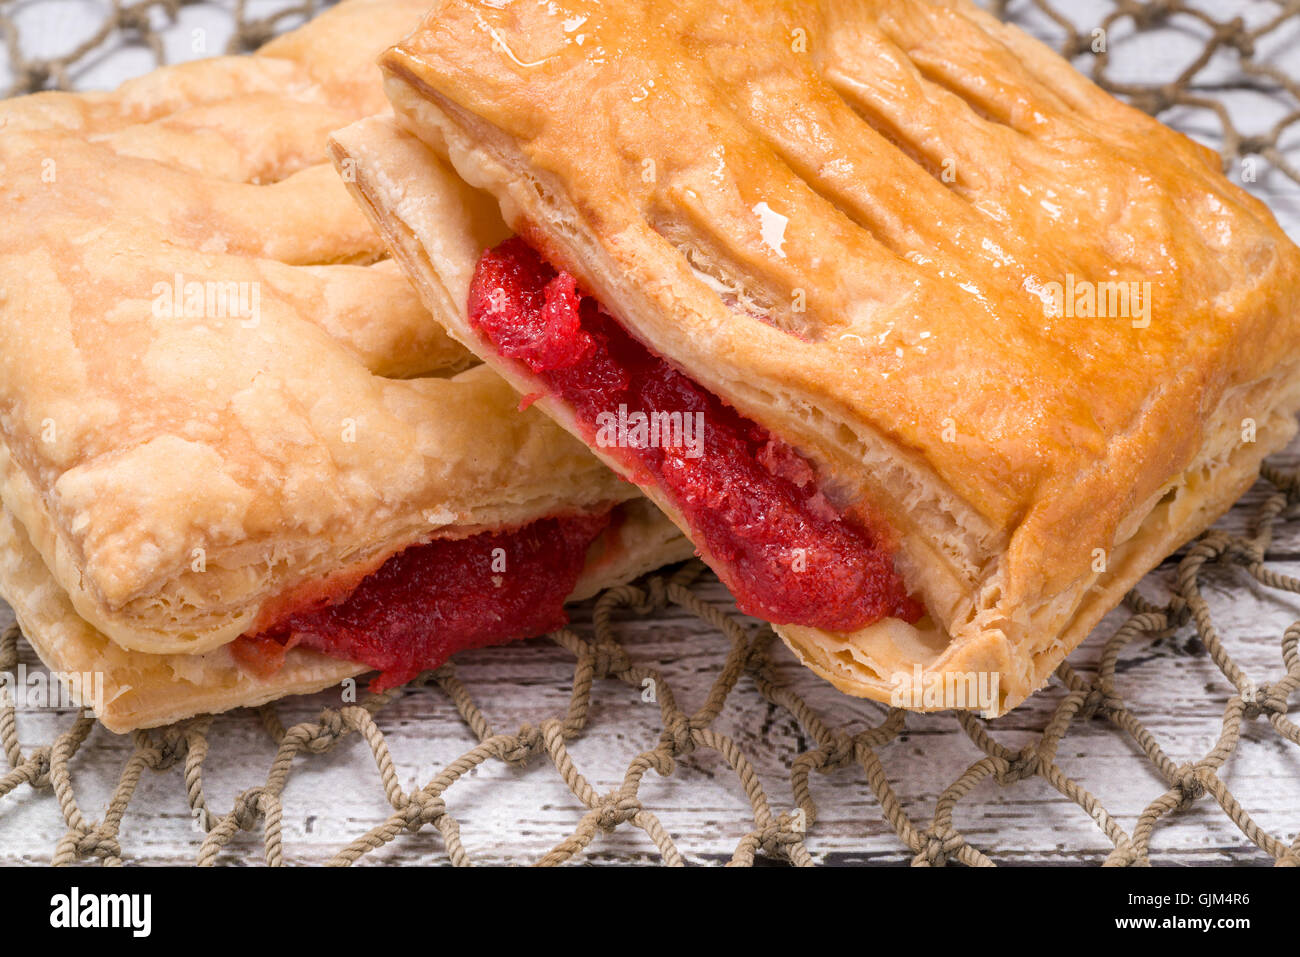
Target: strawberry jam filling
752, 502
430, 601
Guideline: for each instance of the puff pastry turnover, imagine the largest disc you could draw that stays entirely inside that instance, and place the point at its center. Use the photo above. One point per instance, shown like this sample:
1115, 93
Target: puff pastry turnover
222, 410
977, 345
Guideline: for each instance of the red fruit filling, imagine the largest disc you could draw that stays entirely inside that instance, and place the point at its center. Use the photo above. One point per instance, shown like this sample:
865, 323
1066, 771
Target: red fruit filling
752, 503
430, 601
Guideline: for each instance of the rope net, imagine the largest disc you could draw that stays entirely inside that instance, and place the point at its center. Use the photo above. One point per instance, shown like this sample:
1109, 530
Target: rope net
1087, 689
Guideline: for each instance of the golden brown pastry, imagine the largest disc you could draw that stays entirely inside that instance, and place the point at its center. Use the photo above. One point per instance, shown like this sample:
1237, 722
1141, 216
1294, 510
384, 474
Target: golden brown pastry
975, 344
227, 422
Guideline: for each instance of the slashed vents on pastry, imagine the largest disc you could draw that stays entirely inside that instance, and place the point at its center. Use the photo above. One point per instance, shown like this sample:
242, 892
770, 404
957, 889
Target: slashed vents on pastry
238, 458
976, 344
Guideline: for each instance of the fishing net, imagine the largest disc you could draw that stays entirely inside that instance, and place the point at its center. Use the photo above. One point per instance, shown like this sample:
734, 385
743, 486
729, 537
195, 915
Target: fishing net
1039, 756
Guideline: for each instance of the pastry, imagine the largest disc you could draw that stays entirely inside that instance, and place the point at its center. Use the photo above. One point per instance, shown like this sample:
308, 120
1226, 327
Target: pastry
974, 345
238, 458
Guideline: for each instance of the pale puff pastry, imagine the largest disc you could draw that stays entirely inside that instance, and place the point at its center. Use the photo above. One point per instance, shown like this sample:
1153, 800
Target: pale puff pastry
1023, 337
176, 472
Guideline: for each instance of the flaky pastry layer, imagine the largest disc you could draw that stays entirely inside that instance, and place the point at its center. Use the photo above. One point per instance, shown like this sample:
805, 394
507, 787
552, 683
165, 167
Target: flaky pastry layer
214, 387
856, 223
145, 690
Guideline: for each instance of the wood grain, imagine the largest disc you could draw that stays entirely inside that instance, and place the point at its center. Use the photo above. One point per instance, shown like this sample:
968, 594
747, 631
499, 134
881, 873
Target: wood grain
514, 815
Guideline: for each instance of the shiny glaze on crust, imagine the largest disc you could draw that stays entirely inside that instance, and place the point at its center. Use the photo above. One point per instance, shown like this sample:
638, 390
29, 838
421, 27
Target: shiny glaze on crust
934, 171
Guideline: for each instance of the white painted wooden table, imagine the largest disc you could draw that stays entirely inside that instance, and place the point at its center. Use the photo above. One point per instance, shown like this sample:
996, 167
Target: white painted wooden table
509, 815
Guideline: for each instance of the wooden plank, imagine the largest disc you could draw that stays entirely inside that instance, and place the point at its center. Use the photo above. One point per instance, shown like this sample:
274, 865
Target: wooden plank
512, 815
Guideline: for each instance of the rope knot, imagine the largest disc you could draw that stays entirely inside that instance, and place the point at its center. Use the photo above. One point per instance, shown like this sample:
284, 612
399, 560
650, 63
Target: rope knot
613, 809
1247, 145
1026, 764
134, 19
839, 751
1266, 699
940, 845
1076, 45
250, 36
1235, 34
41, 776
677, 731
97, 842
1099, 701
757, 658
1187, 782
1177, 612
163, 754
329, 728
526, 743
1155, 100
608, 658
1240, 550
777, 837
423, 808
1147, 13
248, 809
33, 76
